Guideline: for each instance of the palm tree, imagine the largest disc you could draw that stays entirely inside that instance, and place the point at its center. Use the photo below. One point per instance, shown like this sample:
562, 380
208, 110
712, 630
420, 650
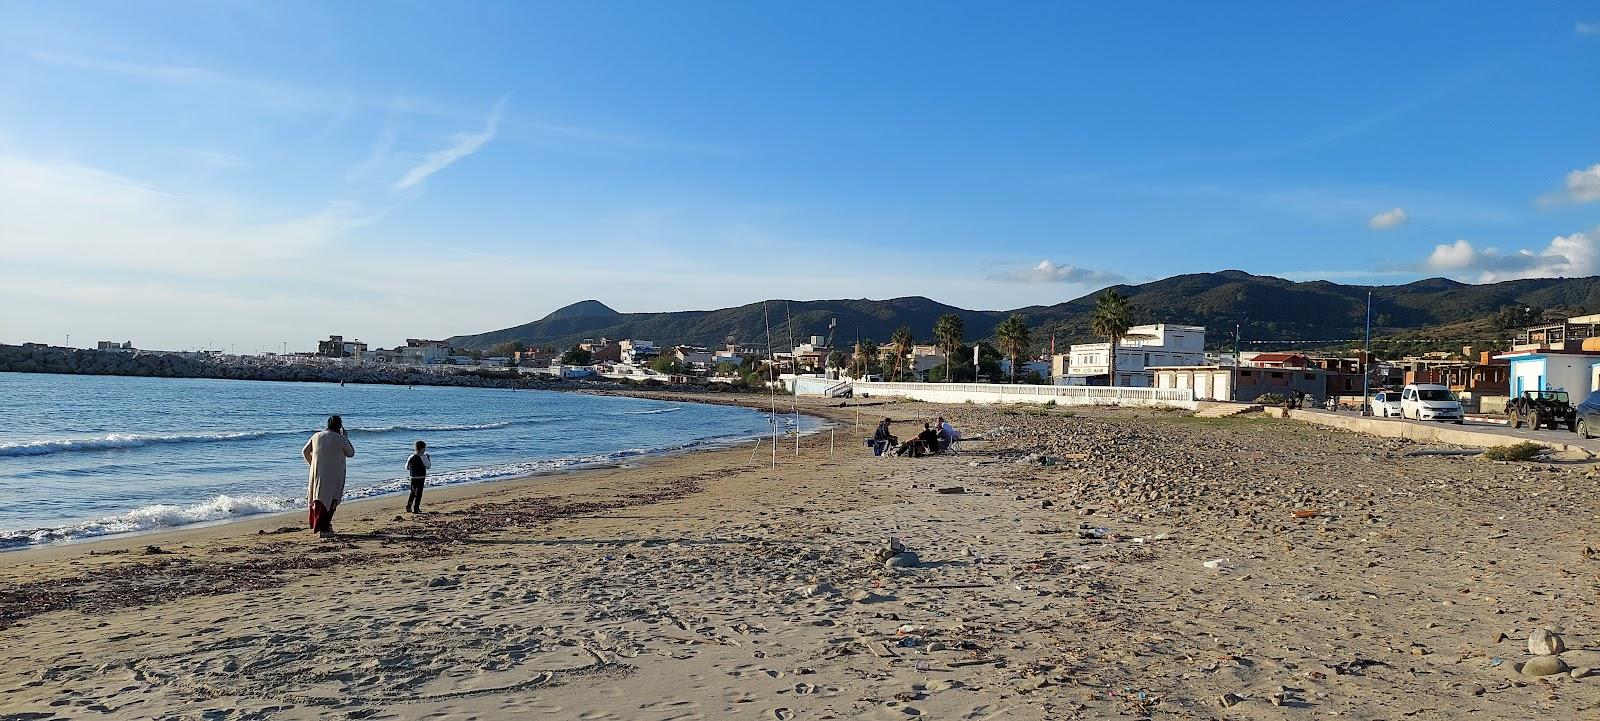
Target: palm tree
866, 352
1014, 339
1110, 319
950, 332
836, 360
902, 340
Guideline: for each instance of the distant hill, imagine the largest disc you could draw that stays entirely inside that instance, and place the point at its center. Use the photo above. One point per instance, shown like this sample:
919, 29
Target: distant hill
583, 309
1266, 307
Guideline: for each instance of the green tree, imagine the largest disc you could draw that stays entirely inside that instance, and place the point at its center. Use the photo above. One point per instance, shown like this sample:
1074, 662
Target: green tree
836, 360
1014, 338
576, 356
865, 357
950, 332
1111, 319
667, 364
508, 349
902, 340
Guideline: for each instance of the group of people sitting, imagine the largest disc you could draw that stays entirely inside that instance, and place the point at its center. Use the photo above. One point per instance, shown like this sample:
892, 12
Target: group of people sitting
935, 438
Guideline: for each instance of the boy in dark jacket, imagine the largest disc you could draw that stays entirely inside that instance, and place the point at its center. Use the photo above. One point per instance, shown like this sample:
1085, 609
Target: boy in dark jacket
417, 465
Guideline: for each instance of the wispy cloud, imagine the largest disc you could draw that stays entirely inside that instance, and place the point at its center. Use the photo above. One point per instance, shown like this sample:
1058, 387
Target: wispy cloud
1388, 219
174, 74
374, 160
1583, 28
1050, 272
216, 158
465, 144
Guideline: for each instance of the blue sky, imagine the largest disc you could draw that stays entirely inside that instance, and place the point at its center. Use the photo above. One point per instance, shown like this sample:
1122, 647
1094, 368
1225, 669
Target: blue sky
250, 173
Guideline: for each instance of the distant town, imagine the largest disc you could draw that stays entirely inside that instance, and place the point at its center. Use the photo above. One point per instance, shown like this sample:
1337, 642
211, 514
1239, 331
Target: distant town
1561, 355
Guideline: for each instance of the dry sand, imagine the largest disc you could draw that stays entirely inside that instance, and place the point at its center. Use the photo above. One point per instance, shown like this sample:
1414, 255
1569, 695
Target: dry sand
708, 585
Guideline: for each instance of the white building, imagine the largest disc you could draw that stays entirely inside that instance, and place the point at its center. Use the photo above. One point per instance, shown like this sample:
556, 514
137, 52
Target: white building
1577, 373
638, 352
421, 351
1144, 347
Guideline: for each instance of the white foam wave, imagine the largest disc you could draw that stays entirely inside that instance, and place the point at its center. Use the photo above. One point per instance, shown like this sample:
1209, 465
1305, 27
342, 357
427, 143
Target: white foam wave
150, 518
227, 508
115, 441
112, 441
652, 411
439, 428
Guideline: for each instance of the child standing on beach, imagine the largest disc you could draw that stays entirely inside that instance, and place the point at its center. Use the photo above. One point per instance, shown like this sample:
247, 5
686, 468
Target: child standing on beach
417, 465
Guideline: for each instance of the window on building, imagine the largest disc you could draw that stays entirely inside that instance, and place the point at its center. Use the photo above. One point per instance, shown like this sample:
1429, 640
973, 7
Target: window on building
1311, 376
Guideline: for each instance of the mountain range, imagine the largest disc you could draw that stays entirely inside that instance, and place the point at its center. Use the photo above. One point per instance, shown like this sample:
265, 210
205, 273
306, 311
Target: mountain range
1266, 308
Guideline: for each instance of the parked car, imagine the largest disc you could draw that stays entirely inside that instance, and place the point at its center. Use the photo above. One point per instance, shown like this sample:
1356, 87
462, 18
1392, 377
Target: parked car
1542, 409
1430, 402
1588, 416
1386, 404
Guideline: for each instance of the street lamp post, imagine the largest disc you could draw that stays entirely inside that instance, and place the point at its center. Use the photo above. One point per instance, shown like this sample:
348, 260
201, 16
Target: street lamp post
1366, 363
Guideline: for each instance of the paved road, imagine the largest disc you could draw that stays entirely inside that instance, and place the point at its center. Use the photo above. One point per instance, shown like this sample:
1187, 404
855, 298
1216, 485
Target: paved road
1560, 436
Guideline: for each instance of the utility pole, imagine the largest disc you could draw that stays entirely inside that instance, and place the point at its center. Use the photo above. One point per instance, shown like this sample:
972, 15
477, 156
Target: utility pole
1235, 381
69, 340
1366, 362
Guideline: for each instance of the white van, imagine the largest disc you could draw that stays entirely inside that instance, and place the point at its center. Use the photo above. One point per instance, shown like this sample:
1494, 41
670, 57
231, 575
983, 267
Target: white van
1429, 402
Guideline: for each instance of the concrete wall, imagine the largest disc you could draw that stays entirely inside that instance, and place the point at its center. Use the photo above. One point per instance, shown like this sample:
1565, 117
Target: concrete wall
1020, 393
1448, 433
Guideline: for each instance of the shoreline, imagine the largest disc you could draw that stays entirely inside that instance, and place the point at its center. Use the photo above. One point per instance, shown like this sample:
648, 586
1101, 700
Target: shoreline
125, 541
1083, 563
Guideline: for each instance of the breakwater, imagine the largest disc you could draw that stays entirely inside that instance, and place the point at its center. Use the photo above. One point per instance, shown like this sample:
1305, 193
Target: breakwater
82, 361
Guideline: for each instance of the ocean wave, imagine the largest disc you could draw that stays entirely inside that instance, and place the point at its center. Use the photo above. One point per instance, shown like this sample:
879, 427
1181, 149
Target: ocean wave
113, 441
652, 411
440, 428
117, 441
228, 508
156, 517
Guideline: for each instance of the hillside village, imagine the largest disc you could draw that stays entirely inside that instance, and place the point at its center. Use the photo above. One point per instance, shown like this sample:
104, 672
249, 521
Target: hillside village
1550, 355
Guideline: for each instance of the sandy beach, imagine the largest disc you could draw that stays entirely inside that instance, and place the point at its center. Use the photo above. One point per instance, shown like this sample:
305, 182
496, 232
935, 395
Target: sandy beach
1061, 572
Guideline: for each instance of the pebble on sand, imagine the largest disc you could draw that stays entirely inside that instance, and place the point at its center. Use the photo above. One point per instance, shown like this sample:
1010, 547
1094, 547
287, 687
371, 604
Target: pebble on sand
1544, 643
1544, 666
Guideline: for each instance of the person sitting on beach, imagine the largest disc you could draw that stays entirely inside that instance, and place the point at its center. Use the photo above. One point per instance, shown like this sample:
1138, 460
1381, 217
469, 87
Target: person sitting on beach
417, 466
325, 453
927, 440
947, 434
882, 438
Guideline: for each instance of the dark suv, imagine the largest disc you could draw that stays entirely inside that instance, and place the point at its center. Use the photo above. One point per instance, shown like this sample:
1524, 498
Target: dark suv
1549, 409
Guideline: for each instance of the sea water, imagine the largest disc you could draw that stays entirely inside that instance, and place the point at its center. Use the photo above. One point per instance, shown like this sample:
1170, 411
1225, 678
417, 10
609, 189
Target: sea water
88, 456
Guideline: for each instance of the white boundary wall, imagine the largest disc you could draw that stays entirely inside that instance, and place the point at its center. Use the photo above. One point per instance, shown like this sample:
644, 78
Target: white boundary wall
1006, 393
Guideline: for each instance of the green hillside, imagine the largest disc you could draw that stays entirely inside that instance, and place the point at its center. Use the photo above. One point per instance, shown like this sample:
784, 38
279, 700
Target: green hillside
1265, 307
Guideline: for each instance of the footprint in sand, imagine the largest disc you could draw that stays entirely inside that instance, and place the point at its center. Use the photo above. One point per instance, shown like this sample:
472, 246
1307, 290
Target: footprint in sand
781, 714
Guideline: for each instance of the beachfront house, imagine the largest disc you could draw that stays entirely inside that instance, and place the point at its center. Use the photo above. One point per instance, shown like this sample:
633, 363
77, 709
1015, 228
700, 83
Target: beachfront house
421, 351
337, 347
1576, 372
1144, 348
637, 352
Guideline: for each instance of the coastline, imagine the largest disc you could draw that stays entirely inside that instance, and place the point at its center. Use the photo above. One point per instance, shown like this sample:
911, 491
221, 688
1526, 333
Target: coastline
1059, 575
276, 519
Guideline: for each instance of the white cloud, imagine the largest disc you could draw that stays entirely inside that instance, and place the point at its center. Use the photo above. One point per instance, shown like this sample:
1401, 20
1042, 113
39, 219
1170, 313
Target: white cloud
1049, 272
1583, 28
1583, 185
1566, 256
466, 144
1388, 219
